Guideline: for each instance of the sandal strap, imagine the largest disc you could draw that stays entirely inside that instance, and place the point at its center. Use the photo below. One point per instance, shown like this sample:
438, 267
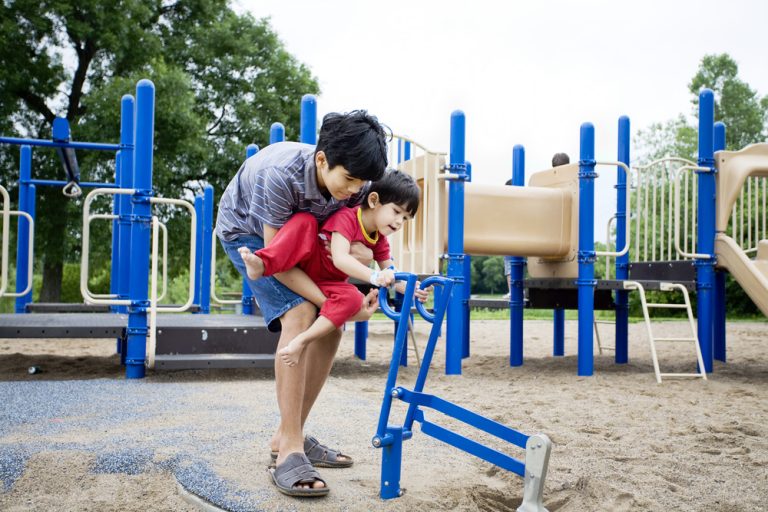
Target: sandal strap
317, 451
296, 469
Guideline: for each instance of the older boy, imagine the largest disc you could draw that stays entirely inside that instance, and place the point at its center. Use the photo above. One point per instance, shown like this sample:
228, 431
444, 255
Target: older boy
283, 179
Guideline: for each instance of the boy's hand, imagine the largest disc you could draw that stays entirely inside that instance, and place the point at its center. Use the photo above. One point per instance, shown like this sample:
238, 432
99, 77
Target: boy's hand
421, 295
369, 306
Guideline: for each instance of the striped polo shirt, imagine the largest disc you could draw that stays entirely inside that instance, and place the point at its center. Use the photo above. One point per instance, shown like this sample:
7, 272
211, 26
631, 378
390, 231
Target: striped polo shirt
270, 187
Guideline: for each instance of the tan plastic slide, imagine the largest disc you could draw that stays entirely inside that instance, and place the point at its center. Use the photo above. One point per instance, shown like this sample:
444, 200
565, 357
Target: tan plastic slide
752, 275
734, 167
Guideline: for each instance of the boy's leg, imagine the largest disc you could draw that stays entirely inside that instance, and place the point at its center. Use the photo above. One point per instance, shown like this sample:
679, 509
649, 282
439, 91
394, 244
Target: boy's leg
295, 242
291, 353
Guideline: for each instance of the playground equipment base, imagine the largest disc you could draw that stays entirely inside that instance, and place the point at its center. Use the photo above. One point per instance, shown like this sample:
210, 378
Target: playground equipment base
183, 341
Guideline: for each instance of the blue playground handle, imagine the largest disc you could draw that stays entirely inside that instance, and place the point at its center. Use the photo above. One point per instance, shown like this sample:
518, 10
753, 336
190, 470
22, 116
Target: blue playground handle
391, 313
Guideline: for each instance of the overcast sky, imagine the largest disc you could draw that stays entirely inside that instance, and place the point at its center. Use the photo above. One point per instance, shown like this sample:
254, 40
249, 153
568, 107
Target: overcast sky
523, 72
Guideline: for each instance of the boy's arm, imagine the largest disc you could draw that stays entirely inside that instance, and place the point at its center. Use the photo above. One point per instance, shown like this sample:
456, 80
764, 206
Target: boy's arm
344, 261
296, 279
421, 295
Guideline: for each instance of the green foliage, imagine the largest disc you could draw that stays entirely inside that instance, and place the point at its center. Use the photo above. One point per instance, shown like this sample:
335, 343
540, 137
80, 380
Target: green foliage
488, 275
220, 80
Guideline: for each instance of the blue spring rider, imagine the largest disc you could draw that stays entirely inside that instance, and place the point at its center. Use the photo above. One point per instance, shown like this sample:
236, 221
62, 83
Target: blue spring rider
390, 437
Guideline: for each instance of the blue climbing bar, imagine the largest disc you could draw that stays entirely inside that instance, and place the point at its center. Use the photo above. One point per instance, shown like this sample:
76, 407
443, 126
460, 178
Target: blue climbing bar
276, 133
206, 265
586, 281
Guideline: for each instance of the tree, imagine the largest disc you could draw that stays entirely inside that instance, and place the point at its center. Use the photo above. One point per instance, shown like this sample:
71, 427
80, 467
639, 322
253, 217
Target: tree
745, 115
221, 79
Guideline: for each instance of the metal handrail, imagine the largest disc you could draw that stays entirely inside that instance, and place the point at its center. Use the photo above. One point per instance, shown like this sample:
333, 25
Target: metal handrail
192, 250
86, 293
30, 255
213, 275
682, 253
151, 346
6, 229
421, 147
627, 221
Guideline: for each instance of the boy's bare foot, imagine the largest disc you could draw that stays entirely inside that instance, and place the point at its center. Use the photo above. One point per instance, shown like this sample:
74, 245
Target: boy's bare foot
291, 353
253, 265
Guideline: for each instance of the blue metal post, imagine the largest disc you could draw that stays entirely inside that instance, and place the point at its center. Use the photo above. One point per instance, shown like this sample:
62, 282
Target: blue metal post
407, 151
140, 231
392, 455
467, 288
719, 330
361, 335
26, 194
206, 263
308, 134
114, 268
276, 133
127, 127
705, 236
517, 274
456, 305
622, 262
586, 281
558, 334
247, 300
198, 249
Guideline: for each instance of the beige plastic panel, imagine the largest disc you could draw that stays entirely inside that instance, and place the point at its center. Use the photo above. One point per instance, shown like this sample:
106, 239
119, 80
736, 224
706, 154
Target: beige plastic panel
733, 169
418, 246
536, 221
521, 221
752, 275
566, 179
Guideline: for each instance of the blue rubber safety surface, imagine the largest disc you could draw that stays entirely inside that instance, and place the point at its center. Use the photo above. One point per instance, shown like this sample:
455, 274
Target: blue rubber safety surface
209, 430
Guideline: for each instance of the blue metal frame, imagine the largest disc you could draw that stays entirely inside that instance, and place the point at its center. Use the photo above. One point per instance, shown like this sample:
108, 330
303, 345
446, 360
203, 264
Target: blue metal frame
276, 133
517, 274
308, 133
140, 232
586, 281
719, 342
127, 138
456, 301
705, 236
198, 249
206, 265
390, 437
621, 297
26, 204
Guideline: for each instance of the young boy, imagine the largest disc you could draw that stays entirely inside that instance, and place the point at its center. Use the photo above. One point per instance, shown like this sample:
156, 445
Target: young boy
391, 201
270, 187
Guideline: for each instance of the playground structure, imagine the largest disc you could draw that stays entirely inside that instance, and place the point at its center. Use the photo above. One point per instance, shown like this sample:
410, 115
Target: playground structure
551, 223
390, 437
167, 341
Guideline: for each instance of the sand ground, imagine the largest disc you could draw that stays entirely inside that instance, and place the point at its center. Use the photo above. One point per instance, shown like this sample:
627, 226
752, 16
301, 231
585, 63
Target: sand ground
79, 437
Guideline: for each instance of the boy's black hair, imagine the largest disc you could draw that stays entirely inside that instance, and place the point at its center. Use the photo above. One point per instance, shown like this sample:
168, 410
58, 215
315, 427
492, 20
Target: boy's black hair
560, 159
399, 188
356, 141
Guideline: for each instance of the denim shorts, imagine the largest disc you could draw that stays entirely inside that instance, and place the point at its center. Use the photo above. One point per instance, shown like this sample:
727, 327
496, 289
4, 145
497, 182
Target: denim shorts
507, 265
274, 298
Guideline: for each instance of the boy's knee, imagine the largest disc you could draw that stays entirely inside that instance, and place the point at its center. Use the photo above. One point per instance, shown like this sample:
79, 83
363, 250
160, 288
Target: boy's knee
300, 317
305, 220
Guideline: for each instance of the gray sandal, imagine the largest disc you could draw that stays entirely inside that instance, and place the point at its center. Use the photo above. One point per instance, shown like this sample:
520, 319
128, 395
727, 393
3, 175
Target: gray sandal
321, 456
295, 470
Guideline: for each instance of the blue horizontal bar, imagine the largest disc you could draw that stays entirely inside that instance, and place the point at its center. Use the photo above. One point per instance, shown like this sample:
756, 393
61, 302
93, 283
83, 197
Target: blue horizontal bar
52, 144
472, 447
79, 183
470, 418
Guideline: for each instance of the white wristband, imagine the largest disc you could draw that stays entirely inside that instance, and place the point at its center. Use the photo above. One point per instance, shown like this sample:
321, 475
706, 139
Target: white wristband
374, 279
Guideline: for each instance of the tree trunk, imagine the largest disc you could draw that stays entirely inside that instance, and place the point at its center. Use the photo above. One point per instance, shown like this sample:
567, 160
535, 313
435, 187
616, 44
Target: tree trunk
52, 274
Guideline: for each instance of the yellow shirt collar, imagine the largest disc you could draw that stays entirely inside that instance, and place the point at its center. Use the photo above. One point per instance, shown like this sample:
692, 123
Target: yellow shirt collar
368, 239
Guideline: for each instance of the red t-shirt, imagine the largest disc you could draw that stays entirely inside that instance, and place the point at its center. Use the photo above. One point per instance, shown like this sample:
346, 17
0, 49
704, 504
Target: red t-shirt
346, 223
